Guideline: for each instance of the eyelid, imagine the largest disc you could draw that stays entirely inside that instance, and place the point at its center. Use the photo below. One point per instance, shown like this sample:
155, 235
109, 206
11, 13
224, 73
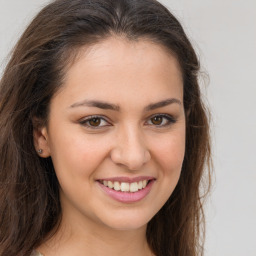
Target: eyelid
171, 120
83, 121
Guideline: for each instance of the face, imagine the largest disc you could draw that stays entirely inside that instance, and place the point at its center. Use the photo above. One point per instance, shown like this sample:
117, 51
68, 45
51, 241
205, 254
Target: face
116, 133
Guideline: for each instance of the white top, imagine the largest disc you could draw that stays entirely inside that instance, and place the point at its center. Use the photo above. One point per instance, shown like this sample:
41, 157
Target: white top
35, 253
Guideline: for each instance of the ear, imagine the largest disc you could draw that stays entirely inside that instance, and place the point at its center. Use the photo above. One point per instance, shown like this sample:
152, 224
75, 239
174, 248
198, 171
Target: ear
41, 140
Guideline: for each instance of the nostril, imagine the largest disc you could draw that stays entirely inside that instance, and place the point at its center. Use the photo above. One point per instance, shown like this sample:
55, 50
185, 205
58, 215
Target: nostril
132, 159
133, 154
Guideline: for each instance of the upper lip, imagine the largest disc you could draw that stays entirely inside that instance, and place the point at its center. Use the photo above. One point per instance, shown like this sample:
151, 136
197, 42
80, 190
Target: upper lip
128, 179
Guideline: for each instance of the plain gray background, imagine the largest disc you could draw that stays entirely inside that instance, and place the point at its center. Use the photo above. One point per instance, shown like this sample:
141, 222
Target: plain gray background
223, 33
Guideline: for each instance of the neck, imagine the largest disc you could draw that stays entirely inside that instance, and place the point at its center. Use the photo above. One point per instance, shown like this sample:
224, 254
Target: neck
90, 238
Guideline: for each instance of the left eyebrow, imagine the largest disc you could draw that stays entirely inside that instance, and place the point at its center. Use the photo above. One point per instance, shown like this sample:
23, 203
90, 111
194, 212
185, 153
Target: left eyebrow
105, 105
161, 104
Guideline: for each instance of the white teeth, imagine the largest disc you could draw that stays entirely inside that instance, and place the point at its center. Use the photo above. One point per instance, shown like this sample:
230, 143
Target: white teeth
116, 186
110, 184
125, 186
134, 187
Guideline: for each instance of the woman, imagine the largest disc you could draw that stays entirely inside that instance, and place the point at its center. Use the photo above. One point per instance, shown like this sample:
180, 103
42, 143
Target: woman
104, 137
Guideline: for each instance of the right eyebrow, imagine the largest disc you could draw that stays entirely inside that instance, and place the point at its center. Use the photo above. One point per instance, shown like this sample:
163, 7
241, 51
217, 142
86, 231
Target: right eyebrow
97, 104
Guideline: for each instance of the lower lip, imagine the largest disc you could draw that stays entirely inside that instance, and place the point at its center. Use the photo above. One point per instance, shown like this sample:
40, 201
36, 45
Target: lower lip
128, 197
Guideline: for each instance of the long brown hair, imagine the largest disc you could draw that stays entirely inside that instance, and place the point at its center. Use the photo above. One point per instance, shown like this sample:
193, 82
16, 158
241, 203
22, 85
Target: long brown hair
29, 199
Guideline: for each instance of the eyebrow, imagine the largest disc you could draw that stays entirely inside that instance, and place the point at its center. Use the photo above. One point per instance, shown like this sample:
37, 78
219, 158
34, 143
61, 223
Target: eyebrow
161, 104
109, 106
97, 104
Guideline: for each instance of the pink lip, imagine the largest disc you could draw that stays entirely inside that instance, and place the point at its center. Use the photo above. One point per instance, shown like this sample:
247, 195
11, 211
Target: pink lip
127, 197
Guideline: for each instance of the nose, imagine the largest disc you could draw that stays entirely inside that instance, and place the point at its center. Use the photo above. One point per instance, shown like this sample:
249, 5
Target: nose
130, 149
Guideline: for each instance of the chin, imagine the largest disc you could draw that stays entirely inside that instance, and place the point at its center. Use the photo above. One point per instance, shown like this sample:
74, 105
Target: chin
127, 221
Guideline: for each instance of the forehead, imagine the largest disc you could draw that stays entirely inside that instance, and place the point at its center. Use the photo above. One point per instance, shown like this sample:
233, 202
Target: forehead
118, 66
116, 50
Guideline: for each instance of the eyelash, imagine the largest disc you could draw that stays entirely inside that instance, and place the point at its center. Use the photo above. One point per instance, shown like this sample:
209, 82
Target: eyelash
169, 120
85, 122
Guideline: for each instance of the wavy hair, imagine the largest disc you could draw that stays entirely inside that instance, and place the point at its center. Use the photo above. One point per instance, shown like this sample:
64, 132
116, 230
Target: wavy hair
29, 190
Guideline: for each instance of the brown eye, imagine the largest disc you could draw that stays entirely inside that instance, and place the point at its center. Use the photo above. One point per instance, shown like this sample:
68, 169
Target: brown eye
157, 120
94, 122
161, 120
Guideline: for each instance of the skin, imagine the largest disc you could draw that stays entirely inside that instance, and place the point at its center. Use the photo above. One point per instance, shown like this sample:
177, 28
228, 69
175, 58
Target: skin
126, 143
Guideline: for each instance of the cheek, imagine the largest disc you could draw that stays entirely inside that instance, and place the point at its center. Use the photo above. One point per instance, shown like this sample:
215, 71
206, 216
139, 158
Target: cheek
169, 152
76, 155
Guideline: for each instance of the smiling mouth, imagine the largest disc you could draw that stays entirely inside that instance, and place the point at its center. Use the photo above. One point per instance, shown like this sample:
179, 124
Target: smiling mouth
125, 186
